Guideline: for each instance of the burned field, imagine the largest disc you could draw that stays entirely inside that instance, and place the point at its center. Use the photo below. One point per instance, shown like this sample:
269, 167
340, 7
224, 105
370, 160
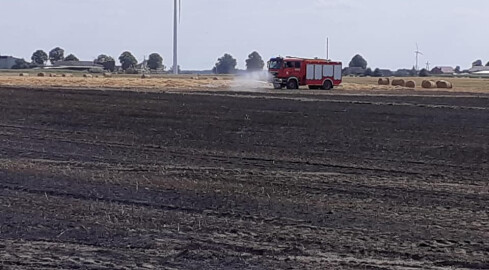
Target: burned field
123, 180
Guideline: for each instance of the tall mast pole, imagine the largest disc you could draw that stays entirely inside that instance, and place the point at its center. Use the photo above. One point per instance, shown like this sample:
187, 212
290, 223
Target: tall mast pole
175, 38
327, 48
417, 54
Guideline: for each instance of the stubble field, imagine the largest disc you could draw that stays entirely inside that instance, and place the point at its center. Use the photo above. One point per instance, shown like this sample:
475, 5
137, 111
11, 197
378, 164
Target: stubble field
238, 180
161, 83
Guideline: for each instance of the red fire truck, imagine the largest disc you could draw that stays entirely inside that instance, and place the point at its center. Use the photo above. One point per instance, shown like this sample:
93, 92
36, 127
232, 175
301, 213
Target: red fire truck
292, 72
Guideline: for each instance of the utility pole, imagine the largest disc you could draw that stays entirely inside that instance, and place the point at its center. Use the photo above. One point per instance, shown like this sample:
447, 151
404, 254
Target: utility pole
175, 38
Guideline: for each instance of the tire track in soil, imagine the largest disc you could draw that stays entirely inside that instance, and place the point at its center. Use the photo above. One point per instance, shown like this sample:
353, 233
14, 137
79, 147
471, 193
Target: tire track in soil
232, 158
219, 244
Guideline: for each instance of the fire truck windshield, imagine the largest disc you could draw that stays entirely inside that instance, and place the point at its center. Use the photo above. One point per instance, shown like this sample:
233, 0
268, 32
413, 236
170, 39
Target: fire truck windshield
275, 64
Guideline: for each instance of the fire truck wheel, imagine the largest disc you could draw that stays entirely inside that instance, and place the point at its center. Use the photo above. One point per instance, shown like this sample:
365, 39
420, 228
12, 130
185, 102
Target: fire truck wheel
327, 85
277, 86
292, 84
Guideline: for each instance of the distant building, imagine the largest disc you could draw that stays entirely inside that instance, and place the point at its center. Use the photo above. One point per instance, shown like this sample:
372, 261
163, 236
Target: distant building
143, 66
76, 65
354, 71
7, 62
479, 69
443, 71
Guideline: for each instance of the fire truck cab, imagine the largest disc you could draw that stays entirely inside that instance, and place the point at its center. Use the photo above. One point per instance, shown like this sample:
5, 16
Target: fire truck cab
292, 72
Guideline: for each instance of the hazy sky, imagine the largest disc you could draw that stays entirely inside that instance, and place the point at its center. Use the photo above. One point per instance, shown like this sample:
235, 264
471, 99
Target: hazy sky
385, 32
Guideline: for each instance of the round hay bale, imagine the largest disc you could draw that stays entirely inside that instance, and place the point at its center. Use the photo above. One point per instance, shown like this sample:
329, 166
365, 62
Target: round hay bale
411, 84
87, 76
398, 82
145, 76
428, 84
444, 84
67, 75
24, 74
384, 81
107, 74
41, 74
52, 75
215, 79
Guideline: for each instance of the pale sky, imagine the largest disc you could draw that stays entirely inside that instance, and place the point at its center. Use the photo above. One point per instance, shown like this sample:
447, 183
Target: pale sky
385, 32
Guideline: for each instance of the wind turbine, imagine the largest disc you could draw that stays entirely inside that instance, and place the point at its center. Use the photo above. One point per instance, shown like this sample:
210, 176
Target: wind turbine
417, 52
176, 20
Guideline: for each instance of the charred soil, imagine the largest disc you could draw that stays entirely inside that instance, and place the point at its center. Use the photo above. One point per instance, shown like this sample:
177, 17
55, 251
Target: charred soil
124, 180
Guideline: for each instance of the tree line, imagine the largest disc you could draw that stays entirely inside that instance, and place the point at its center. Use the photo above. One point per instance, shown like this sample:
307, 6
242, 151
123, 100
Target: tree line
359, 62
127, 60
227, 63
224, 65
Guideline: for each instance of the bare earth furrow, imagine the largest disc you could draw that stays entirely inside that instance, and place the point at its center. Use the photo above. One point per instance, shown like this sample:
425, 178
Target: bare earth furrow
236, 180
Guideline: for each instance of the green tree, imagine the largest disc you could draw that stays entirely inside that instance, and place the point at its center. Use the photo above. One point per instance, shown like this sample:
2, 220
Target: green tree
413, 72
457, 69
56, 54
155, 61
358, 61
71, 57
39, 57
21, 64
377, 73
225, 65
127, 60
477, 63
254, 62
424, 73
107, 61
487, 65
368, 72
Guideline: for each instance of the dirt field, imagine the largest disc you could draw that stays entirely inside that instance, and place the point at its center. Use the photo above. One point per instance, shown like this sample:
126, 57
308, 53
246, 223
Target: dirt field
237, 180
158, 83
